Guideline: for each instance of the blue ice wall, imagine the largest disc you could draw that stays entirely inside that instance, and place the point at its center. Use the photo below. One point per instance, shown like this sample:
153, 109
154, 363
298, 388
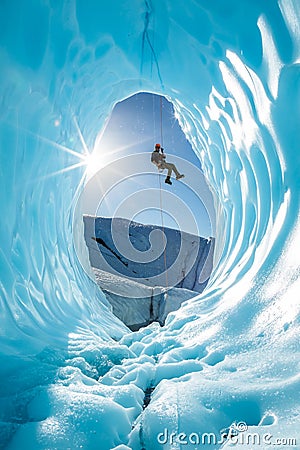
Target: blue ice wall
232, 71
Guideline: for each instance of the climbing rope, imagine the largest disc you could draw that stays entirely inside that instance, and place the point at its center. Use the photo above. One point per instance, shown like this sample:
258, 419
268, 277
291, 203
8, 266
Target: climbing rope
161, 121
161, 202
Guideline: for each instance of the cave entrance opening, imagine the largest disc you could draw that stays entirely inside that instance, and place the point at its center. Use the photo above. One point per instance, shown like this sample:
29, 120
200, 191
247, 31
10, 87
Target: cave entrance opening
137, 229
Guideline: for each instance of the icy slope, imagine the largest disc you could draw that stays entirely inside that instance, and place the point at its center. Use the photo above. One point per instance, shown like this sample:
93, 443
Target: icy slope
231, 70
125, 248
137, 304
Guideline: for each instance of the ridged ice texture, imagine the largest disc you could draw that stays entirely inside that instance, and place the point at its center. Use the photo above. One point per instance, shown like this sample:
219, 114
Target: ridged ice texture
232, 71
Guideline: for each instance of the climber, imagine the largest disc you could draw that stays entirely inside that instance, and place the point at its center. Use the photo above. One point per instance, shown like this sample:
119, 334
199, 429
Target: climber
158, 158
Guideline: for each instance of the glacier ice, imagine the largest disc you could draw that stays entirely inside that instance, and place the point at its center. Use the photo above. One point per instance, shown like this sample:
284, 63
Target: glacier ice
72, 375
138, 287
188, 258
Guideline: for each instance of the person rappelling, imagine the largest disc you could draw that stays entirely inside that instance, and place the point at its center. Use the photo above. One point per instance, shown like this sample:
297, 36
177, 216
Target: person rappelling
159, 159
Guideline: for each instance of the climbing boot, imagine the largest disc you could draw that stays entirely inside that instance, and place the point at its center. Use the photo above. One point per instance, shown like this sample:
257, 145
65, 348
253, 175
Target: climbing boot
179, 176
168, 181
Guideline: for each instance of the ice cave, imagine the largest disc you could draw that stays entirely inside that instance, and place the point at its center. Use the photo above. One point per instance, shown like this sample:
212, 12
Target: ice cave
223, 371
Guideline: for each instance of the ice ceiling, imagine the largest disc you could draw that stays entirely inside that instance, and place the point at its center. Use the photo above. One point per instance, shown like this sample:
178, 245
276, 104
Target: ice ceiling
231, 70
